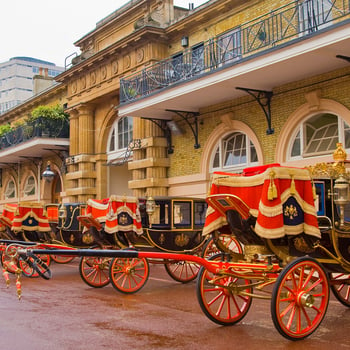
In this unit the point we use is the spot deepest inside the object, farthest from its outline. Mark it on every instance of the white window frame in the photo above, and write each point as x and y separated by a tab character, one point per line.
118	153
301	128
9	191
236	167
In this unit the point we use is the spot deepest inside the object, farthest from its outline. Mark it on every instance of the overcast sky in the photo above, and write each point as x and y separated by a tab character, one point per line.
47	29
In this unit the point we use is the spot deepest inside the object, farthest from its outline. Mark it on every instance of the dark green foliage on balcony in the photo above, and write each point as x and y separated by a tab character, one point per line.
45	122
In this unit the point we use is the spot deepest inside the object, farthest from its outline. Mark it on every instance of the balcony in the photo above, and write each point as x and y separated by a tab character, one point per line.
287	44
34	140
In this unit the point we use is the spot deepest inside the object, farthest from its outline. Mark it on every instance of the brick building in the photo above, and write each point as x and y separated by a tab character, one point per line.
162	96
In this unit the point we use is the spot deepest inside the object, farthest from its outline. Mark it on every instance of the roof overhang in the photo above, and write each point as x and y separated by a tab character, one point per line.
32	149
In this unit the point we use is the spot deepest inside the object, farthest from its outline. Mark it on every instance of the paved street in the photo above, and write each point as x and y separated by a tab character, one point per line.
64	313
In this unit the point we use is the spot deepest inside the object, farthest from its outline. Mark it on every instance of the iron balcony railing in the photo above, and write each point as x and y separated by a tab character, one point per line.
283	25
41	127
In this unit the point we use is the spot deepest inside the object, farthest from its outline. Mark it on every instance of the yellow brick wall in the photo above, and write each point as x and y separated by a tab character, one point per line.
286	99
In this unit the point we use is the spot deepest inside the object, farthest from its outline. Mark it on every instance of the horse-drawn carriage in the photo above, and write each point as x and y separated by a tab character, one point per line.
118	222
294	227
165	224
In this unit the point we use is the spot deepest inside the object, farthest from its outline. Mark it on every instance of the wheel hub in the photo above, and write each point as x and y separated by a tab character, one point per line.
305	299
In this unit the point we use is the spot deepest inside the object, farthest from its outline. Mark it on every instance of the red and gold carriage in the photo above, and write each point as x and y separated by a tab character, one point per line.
294	228
172	225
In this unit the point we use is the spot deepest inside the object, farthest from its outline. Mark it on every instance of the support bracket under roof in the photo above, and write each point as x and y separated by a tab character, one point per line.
264	99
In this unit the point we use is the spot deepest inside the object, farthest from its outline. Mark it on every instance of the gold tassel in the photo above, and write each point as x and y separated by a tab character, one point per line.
292	186
272	191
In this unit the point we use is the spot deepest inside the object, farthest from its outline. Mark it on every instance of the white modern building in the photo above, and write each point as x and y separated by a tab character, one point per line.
16	79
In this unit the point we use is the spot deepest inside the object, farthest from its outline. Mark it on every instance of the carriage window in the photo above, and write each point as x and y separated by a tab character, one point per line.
182	213
199	213
319	135
161	214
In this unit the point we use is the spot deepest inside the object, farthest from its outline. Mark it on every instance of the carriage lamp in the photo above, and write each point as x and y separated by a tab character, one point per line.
48	174
341	195
62	212
150	208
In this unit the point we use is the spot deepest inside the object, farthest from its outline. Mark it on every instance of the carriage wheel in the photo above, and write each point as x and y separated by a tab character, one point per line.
221	297
340	285
300	298
94	271
182	271
62	259
227	240
128	275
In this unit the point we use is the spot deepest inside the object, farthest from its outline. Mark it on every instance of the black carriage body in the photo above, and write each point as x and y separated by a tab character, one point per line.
328	215
70	230
175	225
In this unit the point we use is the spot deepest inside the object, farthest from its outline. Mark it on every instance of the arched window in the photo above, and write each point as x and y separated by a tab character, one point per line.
120	137
29	187
10	191
318	135
234	152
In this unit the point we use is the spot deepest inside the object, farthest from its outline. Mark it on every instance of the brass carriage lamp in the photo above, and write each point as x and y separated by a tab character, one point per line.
150	208
341	195
62	212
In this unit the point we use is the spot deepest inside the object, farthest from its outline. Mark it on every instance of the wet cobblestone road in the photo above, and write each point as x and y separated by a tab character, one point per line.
65	314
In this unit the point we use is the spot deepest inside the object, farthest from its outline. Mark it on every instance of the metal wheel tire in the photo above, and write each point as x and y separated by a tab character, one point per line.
219	302
182	271
227	240
300	298
94	271
340	286
128	275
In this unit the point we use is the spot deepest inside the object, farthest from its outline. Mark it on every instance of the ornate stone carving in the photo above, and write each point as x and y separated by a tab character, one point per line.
103	72
127	61
139	55
93	78
115	67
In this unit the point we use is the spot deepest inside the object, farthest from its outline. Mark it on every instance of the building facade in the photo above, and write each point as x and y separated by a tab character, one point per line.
16	79
162	96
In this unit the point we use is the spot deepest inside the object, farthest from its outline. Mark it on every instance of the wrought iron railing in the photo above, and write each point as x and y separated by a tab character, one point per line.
41	127
283	25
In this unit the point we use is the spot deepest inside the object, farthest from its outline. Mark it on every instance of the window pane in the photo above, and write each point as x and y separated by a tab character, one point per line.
321	134
216	162
253	154
235	150
346	135
296	150
112	142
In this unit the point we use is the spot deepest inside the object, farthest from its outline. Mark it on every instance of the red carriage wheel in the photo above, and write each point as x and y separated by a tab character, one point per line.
62	259
94	271
300	298
220	302
128	275
227	240
340	285
182	271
